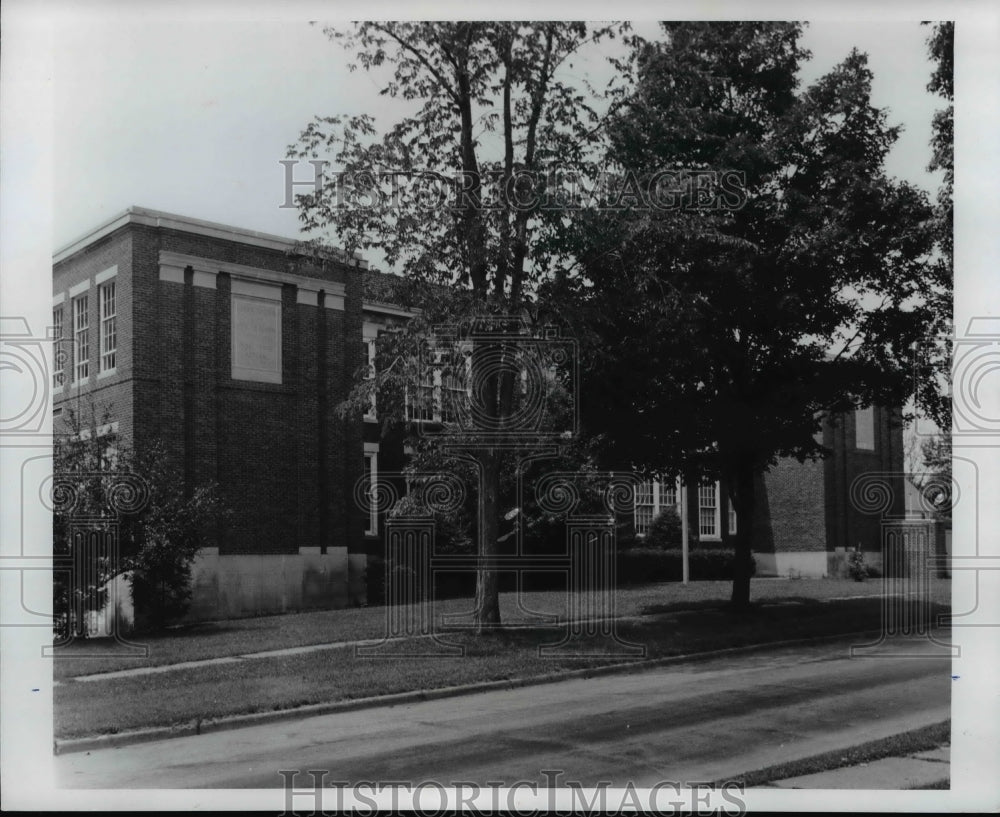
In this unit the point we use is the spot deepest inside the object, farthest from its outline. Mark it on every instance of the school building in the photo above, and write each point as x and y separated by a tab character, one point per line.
234	348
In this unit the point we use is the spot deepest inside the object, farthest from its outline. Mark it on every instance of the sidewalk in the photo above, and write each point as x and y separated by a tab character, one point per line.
335	645
930	767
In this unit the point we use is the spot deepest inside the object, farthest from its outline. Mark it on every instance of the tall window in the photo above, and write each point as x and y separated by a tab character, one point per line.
109	330
454	396
420	398
644	507
651	498
371	468
81	345
708	511
369	376
732	520
864	428
57	333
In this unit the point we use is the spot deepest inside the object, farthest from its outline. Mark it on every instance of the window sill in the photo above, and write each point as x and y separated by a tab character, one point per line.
107	373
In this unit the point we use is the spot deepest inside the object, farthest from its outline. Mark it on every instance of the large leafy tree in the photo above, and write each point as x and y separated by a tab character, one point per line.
449	193
934	400
723	329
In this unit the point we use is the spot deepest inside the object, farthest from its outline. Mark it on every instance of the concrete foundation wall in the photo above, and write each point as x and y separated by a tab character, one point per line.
802	564
232	586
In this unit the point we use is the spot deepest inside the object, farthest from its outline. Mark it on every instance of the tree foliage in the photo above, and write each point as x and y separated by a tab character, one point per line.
451	193
159	527
727	334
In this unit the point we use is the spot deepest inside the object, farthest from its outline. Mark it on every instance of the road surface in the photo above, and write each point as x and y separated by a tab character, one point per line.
709	720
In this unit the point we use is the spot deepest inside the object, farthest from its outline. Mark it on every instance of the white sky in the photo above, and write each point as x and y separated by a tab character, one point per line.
192	117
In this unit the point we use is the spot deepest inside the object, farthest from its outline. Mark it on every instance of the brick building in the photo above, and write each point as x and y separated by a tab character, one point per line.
808	515
234	349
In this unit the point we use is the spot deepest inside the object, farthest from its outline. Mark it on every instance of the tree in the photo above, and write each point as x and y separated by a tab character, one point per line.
725	327
935	370
159	527
451	193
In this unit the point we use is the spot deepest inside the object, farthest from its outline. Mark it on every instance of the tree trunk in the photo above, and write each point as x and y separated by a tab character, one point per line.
744	503
487	605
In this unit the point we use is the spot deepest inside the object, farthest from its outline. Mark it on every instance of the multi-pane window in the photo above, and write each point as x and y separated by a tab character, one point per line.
708	510
371	469
644	507
864	428
652	498
454	395
81	344
420	399
370	376
57	333
109	329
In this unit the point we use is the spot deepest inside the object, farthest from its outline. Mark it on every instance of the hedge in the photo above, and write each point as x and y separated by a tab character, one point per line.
643	565
638	565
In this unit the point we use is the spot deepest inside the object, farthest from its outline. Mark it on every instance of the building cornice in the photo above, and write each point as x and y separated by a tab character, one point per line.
172	221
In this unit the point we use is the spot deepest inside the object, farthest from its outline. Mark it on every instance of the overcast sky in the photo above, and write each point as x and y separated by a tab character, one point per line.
193	116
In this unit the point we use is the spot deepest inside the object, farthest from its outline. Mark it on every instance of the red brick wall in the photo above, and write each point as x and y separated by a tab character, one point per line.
110	395
285	462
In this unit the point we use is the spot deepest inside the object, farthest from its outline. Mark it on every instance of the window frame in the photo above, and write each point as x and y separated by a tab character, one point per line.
108	328
657	502
371	470
81	338
57	337
371	411
716	535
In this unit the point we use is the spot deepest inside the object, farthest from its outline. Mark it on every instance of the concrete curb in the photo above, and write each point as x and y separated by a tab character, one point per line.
202	727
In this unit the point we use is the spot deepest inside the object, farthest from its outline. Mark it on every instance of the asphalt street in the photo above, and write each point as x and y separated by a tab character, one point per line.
708	720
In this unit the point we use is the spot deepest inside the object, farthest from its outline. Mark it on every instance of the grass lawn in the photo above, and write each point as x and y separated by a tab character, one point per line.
186	695
250	635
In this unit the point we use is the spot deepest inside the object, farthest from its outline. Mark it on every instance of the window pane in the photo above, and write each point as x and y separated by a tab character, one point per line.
370	375
109	333
57	333
708	509
371	471
668	494
643	507
81	344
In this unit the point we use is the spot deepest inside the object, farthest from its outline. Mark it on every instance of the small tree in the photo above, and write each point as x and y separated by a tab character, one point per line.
159	531
493	104
665	530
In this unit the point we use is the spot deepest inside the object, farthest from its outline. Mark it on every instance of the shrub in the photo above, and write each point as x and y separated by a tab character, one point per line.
665	530
159	527
645	565
857	568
